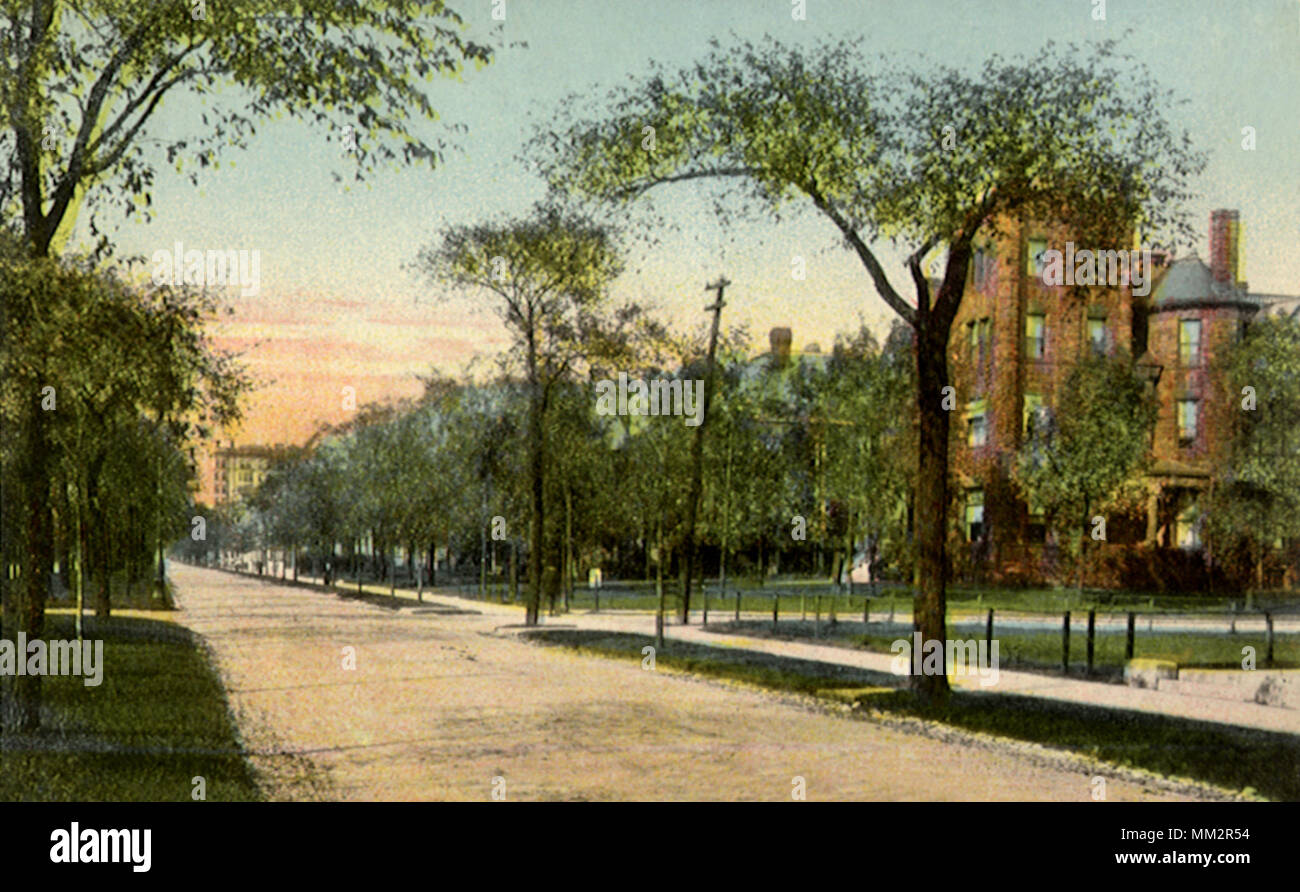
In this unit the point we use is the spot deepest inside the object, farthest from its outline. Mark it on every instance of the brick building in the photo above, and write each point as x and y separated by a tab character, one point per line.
1013	345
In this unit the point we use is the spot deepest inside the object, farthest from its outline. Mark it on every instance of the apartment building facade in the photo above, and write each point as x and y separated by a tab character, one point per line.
1013	346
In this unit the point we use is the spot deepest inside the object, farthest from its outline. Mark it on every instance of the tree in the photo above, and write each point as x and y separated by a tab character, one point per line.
546	278
869	450
925	159
356	66
1257	502
79	88
1087	456
100	385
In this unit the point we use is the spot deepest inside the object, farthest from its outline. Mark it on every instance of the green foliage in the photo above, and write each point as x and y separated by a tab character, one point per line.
83	84
924	156
1087	455
1258	501
124	378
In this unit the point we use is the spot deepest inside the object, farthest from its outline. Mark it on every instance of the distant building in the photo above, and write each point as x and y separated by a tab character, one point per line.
240	470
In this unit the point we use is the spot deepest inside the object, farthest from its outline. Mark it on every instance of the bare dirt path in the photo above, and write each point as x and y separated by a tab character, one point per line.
437	706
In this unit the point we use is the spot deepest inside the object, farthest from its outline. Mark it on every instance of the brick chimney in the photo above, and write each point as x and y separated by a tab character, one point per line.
1225	231
780	339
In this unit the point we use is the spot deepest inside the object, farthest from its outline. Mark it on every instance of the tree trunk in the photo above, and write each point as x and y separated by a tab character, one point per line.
659	583
104	593
537	482
568	545
726	521
38	559
514	571
1083	543
931	502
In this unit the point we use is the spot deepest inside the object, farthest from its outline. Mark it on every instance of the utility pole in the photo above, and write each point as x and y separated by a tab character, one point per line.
697	451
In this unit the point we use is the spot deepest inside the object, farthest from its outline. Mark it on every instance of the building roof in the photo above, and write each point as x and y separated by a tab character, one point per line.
1189	282
1188	279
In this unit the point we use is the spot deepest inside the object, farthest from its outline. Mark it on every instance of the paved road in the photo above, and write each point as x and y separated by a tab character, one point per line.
438	705
1183	705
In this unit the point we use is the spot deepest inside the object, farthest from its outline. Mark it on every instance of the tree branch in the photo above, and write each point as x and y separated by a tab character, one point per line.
883	287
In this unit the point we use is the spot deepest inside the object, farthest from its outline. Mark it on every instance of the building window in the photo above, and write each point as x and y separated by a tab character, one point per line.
980	330
1035	335
1187	528
1187	418
1036	262
974	515
977	418
983	267
1033	406
1037	527
1189	341
1097	336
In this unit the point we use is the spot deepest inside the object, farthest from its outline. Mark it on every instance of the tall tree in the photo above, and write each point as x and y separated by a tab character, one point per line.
80	85
546	277
927	159
1087	455
1257	504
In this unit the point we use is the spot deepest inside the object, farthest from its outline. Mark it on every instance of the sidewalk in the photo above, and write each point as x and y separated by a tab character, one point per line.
1113	696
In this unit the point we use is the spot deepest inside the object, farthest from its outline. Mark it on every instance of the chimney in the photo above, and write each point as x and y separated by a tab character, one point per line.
1225	236
780	339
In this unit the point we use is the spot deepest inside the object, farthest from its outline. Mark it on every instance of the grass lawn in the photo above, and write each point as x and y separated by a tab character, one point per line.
158	719
1041	650
1238	759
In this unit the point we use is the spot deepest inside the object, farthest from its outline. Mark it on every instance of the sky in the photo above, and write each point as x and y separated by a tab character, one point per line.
337	306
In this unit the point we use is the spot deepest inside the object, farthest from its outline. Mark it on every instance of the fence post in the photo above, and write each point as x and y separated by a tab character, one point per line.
1065	644
1232	622
705	592
817	628
866	610
1128	637
776	609
988	631
1268	624
1092	628
803	607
